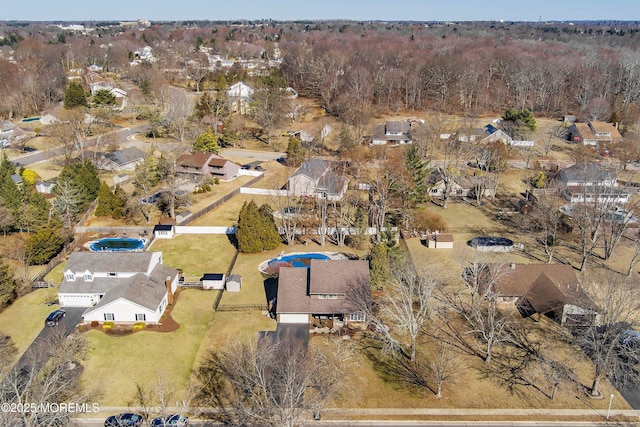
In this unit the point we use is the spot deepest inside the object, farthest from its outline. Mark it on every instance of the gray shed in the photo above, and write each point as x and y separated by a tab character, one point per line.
234	282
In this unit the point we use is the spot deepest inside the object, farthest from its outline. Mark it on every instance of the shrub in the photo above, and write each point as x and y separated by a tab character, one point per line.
138	326
94	323
107	325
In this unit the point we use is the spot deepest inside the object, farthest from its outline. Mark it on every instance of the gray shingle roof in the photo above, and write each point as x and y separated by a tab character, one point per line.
108	262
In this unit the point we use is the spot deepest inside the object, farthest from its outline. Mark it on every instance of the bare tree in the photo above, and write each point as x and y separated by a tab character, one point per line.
57	381
443	364
478	307
178	112
547	218
454	156
267	383
603	340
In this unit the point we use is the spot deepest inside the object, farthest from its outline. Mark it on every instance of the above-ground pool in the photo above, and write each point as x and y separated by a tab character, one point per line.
117	244
30	119
292	260
491	244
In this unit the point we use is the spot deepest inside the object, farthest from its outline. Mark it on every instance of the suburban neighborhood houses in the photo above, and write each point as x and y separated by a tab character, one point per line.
262	222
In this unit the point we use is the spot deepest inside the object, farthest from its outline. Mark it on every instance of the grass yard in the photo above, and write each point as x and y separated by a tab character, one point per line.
196	254
24	319
115	365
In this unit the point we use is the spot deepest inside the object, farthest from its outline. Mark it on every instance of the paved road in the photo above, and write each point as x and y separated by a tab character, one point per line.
122	136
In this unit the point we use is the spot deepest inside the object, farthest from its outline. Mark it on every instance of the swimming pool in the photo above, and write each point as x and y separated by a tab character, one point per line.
117	244
300	260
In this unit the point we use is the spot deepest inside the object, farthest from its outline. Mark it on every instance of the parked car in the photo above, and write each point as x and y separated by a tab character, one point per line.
175	420
54	317
123	420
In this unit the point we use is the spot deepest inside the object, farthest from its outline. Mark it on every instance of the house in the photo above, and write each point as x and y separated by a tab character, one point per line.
239	95
462	186
594	133
234	283
200	164
318	178
45	187
16	178
319	293
303	136
120	160
213	281
588	174
552	290
588	182
392	133
118	287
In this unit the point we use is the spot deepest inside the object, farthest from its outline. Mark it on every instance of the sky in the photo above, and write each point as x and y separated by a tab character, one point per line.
385	10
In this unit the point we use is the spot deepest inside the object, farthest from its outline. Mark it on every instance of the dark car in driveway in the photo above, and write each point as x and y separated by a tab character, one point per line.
175	420
54	317
123	420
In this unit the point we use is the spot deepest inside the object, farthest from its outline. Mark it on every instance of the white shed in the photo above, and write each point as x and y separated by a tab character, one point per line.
213	281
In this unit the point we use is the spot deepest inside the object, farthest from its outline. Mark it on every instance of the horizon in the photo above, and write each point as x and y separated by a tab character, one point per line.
328	10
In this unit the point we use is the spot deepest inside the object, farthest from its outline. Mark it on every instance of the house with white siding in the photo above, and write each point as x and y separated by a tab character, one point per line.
119	287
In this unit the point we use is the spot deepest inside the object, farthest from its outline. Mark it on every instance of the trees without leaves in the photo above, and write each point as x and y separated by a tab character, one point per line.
267	383
604	341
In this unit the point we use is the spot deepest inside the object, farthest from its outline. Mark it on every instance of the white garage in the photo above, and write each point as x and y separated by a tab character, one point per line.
293	318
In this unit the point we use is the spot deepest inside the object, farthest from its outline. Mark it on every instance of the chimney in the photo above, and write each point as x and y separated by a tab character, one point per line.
169	293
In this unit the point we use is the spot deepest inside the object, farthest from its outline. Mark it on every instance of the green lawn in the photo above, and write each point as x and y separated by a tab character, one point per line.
196	254
115	365
24	319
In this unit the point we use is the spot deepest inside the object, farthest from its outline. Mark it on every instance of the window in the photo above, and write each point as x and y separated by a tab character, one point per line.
356	317
434	190
70	276
109	317
112	274
140	317
327	296
88	277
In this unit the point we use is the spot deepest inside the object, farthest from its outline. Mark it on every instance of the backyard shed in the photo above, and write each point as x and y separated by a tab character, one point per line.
234	282
439	241
213	281
164	231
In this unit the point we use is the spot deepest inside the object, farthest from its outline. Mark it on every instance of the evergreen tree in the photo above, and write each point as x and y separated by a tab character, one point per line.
7	284
75	96
44	244
295	152
119	203
105	200
379	264
269	236
82	177
256	231
207	142
104	97
518	123
419	171
247	232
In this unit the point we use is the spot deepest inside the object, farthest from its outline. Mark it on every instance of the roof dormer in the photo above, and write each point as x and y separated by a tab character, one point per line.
69	276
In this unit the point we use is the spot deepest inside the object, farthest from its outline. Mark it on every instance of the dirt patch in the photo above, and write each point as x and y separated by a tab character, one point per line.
168	324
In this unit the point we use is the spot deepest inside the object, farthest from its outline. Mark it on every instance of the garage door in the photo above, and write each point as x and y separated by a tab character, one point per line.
294	318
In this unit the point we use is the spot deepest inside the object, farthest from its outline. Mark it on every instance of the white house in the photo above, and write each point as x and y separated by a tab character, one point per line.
392	133
239	95
318	178
120	287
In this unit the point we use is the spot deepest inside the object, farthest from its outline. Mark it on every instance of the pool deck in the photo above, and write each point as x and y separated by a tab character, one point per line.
263	267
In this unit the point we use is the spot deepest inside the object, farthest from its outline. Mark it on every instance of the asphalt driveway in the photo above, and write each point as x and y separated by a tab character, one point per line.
34	355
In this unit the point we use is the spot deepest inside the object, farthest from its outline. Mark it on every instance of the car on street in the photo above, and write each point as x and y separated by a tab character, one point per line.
54	317
123	420
175	420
